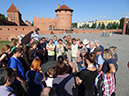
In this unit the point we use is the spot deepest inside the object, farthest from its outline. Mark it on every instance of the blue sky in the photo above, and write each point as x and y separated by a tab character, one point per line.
83	9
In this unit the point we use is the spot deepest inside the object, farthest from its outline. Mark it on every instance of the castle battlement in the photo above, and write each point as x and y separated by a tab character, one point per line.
43	19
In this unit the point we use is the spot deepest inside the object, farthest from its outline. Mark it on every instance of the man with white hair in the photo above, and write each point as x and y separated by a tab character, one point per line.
92	46
97	44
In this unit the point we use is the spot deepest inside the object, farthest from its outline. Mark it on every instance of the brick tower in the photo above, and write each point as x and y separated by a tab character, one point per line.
64	17
14	15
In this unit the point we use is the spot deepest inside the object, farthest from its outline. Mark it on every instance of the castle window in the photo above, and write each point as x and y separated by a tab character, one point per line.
8	28
15	28
50	27
59	11
65	11
0	28
22	28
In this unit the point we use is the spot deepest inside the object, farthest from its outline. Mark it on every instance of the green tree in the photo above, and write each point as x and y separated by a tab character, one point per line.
32	24
87	25
109	26
93	25
99	25
74	25
103	26
121	22
84	26
115	25
2	17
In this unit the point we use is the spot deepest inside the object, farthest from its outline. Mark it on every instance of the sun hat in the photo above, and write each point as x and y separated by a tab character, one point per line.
85	41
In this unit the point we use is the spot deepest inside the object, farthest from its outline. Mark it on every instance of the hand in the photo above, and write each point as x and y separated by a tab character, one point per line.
78	80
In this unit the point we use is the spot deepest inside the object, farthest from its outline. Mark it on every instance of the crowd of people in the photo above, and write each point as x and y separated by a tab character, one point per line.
83	68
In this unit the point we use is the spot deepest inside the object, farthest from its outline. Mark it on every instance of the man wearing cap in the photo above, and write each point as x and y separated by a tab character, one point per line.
99	58
36	34
98	45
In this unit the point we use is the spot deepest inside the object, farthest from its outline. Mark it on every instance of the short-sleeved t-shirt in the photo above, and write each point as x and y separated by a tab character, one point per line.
116	57
74	49
15	63
99	61
6	90
63	85
106	68
34	79
88	80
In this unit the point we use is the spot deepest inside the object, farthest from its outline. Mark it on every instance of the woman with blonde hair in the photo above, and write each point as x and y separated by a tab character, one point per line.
34	77
4	58
107	72
15	44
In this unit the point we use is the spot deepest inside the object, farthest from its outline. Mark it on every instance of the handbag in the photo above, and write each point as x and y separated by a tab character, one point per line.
100	85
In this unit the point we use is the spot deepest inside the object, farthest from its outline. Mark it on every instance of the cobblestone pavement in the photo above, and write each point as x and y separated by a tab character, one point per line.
122	44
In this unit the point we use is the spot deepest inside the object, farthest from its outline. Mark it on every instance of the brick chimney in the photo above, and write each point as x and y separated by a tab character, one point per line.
58	5
16	8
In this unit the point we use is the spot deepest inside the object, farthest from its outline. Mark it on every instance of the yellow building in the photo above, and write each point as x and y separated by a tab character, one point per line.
97	22
106	22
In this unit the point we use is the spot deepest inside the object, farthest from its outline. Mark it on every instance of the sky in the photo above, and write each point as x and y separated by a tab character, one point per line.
84	10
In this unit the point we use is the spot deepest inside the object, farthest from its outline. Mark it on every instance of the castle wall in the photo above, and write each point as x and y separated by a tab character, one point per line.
44	23
9	32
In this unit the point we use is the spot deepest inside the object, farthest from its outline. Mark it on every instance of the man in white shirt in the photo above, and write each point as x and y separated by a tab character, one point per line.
75	53
36	34
51	50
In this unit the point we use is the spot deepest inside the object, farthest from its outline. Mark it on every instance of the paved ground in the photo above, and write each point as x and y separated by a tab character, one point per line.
122	44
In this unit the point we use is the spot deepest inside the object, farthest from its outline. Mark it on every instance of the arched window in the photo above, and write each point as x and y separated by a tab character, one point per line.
50	27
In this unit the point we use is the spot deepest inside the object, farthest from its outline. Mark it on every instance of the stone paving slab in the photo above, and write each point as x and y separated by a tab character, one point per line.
122	44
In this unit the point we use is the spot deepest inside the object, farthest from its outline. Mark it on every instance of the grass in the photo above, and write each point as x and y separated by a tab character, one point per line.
2	43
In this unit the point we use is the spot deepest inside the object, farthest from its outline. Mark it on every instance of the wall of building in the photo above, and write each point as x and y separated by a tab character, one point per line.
64	20
9	32
44	23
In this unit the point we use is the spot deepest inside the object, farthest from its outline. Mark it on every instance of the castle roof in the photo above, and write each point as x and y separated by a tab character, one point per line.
64	7
4	22
12	8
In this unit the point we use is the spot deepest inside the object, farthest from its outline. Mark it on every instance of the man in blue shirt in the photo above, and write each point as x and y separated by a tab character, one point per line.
99	58
16	65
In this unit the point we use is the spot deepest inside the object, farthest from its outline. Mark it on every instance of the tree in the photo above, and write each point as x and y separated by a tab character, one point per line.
109	26
87	25
115	25
99	25
121	22
93	25
103	26
84	26
32	24
74	25
2	17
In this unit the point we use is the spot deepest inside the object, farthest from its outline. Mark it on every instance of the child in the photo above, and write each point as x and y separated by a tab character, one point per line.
113	50
49	80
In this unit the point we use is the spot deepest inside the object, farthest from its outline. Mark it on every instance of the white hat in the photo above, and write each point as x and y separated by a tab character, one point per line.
85	41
